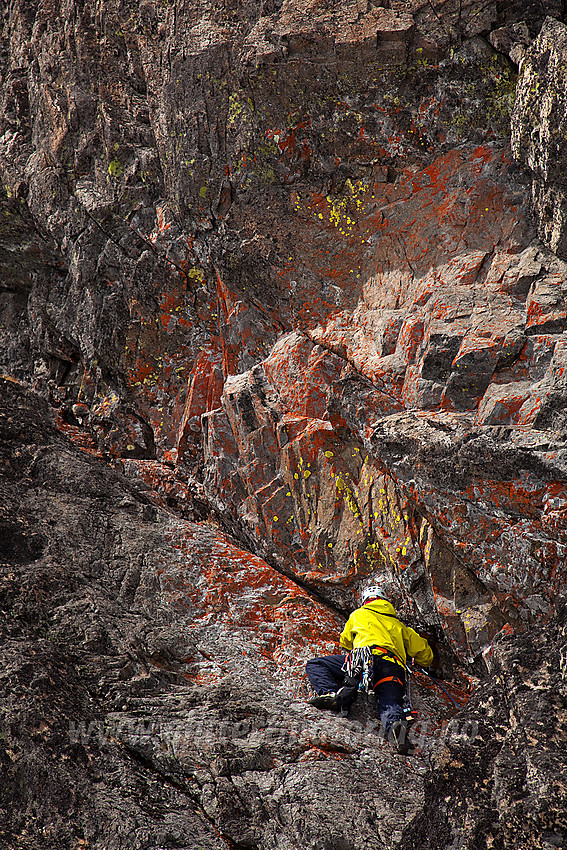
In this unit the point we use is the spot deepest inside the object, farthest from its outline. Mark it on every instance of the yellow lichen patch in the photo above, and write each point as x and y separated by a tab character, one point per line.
374	554
237	107
345	493
344	212
196	275
115	169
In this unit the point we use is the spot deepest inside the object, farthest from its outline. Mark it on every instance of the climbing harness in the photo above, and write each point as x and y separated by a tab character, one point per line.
359	664
388	679
389	653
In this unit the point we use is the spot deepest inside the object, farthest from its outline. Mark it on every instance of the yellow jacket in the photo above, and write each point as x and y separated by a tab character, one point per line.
368	626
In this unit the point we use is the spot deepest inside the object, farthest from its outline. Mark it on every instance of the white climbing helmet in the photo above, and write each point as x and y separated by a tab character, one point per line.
375	591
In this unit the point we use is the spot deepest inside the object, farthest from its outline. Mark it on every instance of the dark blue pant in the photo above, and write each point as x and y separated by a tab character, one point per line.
325	675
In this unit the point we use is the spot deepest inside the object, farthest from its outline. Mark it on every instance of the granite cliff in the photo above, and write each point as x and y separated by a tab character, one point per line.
283	309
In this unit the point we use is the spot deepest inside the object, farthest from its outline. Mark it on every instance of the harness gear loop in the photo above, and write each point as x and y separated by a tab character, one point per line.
359	664
388	679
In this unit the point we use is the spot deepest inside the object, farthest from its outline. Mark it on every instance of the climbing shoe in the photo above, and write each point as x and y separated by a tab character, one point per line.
398	737
328	701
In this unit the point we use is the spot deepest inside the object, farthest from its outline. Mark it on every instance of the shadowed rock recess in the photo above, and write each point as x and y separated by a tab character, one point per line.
283	312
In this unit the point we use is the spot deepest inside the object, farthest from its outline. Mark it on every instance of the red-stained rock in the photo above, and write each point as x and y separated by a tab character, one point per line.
203	395
502	402
81	411
277	265
303	374
79	436
419	393
546	309
119	431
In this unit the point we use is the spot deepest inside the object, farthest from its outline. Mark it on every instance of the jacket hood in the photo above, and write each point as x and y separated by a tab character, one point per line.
381	606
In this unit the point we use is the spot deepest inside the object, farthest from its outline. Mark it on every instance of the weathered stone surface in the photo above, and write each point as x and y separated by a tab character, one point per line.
281	266
493	787
538	130
512	40
150	674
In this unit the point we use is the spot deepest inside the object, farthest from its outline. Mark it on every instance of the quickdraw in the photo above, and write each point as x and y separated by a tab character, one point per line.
359	664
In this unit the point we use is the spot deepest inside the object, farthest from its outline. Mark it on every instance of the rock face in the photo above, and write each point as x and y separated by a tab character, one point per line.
492	786
538	130
150	676
282	312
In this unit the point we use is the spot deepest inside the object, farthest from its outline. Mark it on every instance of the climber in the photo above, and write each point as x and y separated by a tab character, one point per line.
378	644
